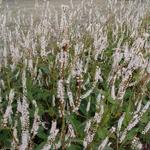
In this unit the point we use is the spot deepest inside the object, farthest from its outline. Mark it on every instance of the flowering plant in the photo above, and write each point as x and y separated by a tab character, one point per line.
76	80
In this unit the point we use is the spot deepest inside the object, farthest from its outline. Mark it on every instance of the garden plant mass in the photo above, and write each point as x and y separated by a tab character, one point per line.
76	77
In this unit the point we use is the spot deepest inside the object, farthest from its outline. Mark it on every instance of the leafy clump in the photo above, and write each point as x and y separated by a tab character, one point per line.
76	80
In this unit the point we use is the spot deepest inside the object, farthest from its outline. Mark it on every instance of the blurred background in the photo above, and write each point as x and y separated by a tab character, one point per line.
29	4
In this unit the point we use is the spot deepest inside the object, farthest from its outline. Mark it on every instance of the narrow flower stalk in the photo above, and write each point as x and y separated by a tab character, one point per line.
70	95
148	67
88	93
5	55
30	65
77	72
123	86
71	132
139	105
103	144
136	144
36	121
2	84
147	128
97	78
64	60
106	140
70	135
60	96
92	124
8	112
134	121
15	141
120	121
113	92
51	138
24	113
100	44
64	23
88	105
0	95
99	114
43	46
71	101
89	134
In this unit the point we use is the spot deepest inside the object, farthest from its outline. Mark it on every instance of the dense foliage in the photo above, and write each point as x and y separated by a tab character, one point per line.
75	79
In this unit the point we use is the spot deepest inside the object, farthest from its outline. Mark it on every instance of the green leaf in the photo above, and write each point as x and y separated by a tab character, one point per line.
75	147
108	148
39	147
42	135
131	134
102	132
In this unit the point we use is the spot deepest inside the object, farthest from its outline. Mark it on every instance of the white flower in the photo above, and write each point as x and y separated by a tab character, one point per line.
25	137
30	64
88	125
148	67
11	95
71	131
2	84
8	112
146	35
19	106
88	139
138	107
136	144
98	115
117	56
60	91
53	133
25	115
145	108
98	75
88	105
120	121
87	93
133	123
103	144
36	122
147	128
63	59
0	95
